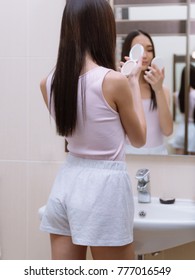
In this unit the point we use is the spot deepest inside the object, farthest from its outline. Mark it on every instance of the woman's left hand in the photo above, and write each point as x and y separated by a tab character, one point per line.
155	78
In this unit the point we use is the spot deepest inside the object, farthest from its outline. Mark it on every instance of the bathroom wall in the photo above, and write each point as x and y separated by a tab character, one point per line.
30	150
170	176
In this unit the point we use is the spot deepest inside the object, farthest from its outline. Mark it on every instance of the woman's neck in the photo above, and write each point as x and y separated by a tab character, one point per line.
89	64
144	87
141	79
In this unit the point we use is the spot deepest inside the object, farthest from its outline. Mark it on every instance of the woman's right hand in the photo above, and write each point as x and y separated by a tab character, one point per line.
122	63
136	71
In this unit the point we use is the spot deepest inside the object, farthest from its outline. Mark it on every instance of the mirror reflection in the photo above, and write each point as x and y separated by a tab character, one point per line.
168	41
155	96
178	139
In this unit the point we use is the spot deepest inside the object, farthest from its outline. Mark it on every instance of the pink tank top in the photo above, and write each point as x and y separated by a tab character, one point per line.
154	136
99	133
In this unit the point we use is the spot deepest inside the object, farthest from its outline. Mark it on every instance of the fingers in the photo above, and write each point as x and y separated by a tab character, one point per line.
150	75
121	63
154	76
126	58
155	69
154	72
132	68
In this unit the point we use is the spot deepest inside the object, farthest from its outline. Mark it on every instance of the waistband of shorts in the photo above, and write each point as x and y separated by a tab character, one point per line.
92	163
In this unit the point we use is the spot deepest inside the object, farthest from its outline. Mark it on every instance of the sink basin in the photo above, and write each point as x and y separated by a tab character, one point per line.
159	226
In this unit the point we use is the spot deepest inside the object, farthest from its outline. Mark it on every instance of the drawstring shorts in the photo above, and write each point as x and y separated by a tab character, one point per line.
91	201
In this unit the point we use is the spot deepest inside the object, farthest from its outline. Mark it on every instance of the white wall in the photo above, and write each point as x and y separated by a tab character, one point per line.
172	176
30	150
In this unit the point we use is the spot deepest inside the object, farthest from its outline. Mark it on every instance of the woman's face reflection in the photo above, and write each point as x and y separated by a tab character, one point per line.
148	50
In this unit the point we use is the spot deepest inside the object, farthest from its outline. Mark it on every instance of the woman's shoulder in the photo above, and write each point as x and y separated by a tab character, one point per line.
44	90
113	74
116	79
115	85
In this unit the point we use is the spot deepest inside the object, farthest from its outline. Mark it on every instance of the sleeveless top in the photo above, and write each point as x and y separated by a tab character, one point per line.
99	133
154	138
154	135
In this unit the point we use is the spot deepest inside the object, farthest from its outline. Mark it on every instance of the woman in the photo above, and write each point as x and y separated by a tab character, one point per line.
91	203
155	97
177	141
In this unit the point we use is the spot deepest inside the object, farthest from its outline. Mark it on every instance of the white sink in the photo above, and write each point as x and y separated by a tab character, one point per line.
164	226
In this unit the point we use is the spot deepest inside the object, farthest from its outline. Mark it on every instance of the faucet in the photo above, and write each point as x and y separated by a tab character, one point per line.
143	185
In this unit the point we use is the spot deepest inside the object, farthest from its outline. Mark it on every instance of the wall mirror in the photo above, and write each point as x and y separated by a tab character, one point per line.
171	25
179	63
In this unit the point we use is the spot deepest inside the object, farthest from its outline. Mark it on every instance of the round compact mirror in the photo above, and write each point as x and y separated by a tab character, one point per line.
158	62
127	67
136	52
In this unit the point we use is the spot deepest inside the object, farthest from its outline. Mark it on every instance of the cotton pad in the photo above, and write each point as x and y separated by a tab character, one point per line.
127	67
136	52
158	61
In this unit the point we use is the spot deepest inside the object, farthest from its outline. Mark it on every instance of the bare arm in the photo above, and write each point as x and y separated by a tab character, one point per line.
155	77
124	96
44	91
165	116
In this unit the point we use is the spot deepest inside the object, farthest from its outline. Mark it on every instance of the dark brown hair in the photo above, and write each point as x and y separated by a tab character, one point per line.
87	26
182	88
127	45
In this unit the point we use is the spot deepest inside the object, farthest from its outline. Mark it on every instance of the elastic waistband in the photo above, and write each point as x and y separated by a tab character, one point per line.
100	164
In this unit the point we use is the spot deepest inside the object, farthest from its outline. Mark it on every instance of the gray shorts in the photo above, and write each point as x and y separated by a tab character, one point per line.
91	201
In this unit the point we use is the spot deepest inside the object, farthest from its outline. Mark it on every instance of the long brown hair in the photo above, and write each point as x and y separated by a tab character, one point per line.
182	88
87	26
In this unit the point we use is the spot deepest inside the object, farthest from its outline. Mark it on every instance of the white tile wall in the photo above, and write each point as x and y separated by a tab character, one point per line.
40	178
13	206
14	108
44	19
170	176
30	150
13	28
